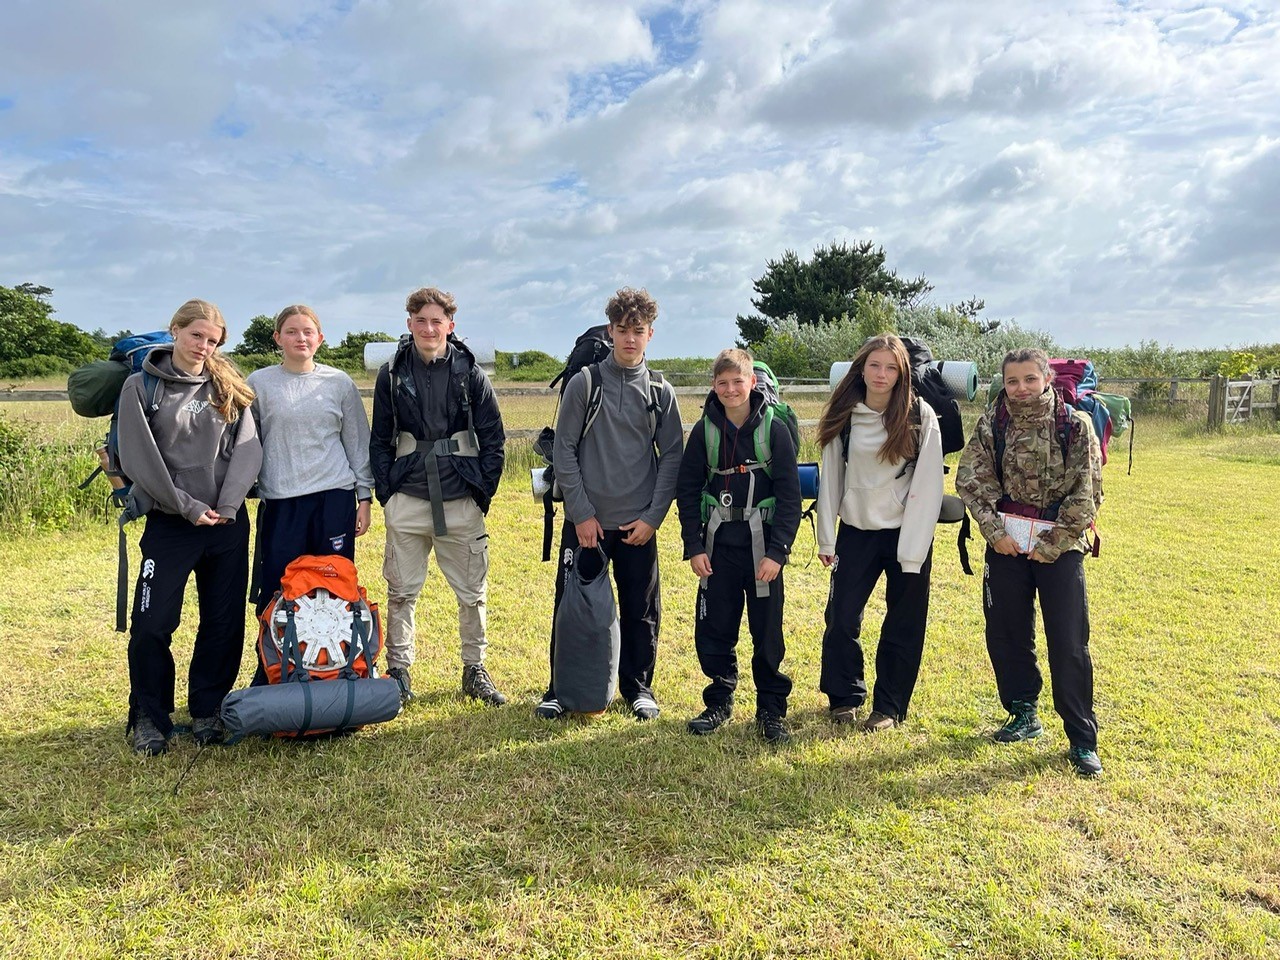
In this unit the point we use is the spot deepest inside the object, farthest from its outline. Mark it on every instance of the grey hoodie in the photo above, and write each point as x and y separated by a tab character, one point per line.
185	456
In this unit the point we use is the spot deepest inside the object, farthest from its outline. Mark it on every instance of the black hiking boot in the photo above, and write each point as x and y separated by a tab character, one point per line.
147	738
477	685
710	720
1085	761
1023	724
401	676
207	730
773	729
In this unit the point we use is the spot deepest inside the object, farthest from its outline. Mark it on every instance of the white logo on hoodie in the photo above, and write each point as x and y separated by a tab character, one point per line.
196	406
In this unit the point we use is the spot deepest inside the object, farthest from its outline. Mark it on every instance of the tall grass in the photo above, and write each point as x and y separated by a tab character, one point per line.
43	465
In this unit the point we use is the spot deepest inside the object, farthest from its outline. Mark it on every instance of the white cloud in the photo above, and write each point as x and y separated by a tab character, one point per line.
1094	168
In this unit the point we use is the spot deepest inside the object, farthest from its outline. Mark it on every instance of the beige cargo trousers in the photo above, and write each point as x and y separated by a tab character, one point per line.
463	557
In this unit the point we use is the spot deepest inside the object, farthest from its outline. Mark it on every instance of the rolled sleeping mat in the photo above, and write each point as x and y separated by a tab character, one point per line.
808	481
960	377
314	706
538	482
838	370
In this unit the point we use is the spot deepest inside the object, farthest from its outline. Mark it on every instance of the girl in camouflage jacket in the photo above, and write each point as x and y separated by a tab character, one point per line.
1033	457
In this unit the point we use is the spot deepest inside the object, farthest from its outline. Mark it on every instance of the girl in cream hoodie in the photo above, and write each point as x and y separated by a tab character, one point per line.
877	506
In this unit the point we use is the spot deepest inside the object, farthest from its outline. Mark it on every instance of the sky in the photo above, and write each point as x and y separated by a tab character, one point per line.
1107	172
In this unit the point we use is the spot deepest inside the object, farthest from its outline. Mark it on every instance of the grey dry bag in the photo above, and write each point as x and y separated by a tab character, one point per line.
584	670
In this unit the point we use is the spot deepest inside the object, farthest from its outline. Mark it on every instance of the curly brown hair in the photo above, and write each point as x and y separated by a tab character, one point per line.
425	295
630	306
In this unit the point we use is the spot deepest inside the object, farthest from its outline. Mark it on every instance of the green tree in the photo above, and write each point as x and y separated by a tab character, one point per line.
28	330
824	287
258	337
352	345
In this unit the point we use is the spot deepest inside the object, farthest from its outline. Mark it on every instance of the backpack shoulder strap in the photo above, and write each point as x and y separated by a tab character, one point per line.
711	435
763	436
999	429
151	391
655	404
595	397
846	432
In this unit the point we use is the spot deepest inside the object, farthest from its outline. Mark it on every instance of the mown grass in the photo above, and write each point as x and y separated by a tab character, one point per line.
456	831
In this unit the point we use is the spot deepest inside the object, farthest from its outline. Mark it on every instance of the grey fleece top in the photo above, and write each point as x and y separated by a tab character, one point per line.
185	456
613	474
315	433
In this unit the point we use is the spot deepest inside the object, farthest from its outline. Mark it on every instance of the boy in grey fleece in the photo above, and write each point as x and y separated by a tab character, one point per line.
618	480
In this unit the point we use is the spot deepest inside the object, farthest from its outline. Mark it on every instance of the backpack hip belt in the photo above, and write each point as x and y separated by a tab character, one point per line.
461	444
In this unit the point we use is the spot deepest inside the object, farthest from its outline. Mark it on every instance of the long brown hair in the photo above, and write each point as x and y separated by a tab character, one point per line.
231	393
901	441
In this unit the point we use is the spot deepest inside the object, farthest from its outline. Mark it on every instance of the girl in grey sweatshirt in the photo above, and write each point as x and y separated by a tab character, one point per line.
191	448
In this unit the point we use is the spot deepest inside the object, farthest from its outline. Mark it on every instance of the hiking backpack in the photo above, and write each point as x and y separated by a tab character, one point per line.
714	512
94	391
318	642
591	348
1076	383
927	381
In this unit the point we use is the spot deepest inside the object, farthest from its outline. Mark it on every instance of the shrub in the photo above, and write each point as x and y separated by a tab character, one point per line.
40	365
1239	365
808	350
527	366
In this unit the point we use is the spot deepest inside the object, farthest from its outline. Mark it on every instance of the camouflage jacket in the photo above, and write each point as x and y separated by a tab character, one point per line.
1034	473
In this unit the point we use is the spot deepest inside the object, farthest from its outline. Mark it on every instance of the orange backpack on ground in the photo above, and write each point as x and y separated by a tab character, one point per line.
319	641
320	621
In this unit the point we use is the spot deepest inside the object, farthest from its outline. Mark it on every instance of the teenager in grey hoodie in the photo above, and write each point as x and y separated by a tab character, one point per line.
193	453
618	480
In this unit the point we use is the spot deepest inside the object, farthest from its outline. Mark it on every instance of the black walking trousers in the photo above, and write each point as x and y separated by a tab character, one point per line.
172	548
635	575
861	556
718	621
1009	588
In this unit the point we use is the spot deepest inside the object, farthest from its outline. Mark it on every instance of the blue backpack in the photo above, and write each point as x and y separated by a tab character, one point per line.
94	391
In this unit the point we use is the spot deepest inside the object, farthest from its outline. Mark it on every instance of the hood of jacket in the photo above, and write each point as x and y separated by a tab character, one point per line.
159	363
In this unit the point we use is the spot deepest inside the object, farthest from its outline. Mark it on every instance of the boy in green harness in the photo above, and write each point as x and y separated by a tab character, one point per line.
738	496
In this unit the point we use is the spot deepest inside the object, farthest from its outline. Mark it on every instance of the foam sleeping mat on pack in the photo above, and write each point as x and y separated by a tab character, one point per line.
281	708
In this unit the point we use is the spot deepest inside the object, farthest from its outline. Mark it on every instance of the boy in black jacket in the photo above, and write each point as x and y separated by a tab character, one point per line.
436	448
738	496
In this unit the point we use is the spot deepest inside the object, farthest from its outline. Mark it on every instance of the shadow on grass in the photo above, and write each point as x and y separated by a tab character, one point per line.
456	800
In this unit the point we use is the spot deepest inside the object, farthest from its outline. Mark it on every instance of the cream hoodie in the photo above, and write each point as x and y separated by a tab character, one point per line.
871	495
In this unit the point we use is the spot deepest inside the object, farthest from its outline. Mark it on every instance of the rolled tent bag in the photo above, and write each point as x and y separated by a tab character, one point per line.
584	670
305	707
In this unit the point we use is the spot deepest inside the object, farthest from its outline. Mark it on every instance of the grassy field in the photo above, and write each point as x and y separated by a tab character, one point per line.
458	831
